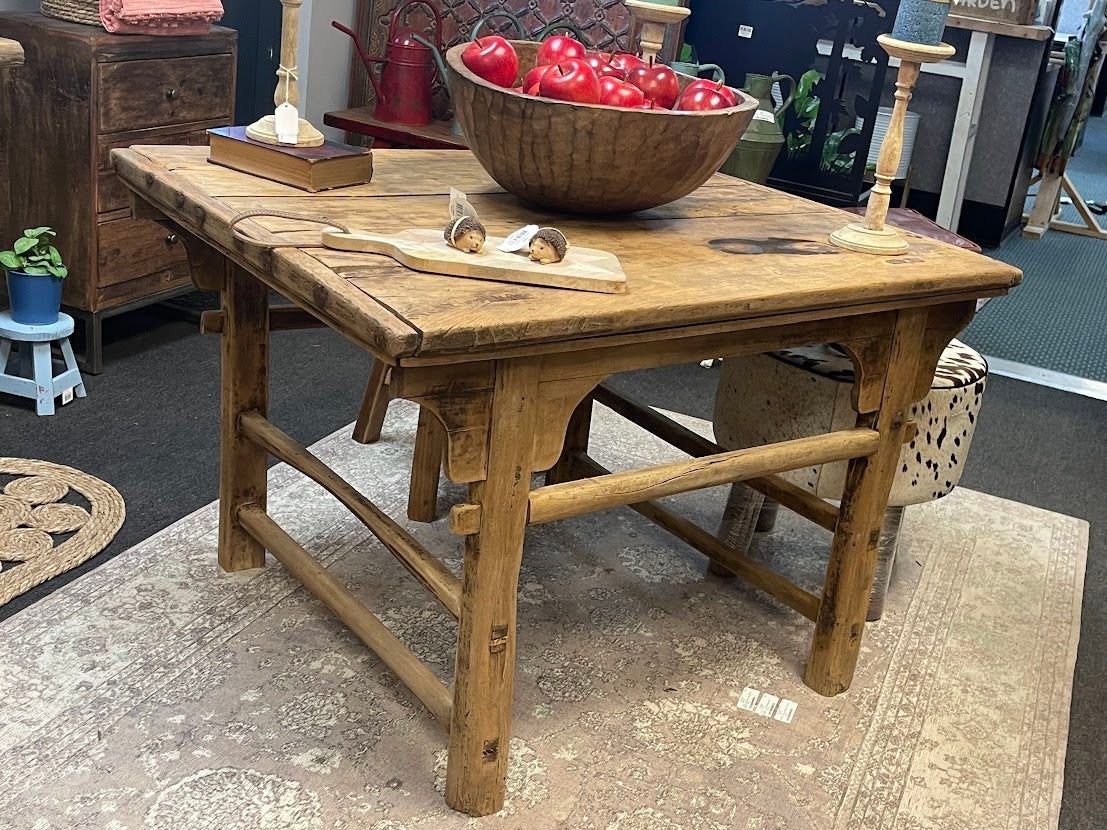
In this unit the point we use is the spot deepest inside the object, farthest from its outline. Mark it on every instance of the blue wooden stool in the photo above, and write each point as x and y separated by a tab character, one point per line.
37	379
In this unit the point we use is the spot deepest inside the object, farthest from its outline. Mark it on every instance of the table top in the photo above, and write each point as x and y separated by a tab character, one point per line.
438	135
731	251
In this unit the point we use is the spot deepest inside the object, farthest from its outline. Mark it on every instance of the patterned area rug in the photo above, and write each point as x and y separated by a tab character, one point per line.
52	518
157	693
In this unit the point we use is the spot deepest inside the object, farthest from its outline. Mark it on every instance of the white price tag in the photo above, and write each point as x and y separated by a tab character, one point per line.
764	115
287	123
748	700
786	711
67	396
519	240
767	705
745	31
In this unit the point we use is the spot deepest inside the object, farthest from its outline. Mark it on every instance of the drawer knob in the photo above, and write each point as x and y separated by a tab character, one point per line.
172	94
172	239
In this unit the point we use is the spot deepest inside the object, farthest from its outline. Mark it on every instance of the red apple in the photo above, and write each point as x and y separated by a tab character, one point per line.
625	61
533	90
534	76
571	80
647	105
493	59
703	98
657	81
714	86
601	65
559	48
616	93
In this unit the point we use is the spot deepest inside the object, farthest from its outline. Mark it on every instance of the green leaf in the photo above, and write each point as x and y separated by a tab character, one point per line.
55	256
38	258
10	261
58	270
24	244
686	52
36	270
35	233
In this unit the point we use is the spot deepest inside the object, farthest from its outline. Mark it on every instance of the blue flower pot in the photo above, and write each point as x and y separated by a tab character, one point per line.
36	300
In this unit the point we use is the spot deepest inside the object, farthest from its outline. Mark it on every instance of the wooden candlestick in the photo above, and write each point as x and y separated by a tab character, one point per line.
872	236
655	19
265	128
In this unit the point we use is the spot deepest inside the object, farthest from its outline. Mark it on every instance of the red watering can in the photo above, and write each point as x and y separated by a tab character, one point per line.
404	89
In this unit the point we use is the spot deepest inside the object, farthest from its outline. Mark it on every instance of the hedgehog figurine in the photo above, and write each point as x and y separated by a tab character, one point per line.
548	246
466	234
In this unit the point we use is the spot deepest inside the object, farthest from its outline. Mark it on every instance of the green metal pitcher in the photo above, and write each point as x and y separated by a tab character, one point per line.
760	144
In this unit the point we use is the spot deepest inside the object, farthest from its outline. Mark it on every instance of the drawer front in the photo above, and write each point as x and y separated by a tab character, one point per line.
134	95
111	193
132	248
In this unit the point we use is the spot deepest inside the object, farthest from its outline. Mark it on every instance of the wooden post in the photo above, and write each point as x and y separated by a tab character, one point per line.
426	468
374	406
245	388
849	575
484	673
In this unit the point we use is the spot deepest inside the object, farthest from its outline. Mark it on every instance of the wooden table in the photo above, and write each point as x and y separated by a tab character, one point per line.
438	135
505	376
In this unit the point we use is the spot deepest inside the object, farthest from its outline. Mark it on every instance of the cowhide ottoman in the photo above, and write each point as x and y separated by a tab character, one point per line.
798	392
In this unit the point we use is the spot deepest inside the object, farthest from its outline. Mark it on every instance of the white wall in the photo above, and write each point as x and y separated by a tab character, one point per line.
324	55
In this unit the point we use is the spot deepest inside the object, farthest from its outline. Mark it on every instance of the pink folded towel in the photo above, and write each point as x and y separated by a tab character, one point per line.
160	17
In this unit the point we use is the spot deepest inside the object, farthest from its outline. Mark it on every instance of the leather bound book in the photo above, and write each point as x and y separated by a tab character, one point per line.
327	166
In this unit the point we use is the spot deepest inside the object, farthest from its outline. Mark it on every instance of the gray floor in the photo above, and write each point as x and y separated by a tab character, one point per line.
1057	318
149	427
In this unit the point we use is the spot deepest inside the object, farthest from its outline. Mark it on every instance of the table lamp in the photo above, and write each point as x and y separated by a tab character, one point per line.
285	125
916	39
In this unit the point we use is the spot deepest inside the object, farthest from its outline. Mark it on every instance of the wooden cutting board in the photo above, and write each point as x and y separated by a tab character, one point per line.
583	269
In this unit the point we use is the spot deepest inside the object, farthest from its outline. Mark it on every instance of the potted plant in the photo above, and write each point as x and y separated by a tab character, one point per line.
35	274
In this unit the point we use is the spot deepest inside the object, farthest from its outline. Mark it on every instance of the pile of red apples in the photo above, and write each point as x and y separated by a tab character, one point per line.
566	71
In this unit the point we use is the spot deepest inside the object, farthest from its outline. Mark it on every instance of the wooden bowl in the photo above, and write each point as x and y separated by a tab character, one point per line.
589	158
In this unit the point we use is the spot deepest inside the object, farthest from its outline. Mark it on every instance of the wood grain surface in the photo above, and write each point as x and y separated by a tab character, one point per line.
422	249
732	253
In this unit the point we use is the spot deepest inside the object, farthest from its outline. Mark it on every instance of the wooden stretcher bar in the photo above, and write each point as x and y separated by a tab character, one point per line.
796	499
370	630
572	498
424	566
751	570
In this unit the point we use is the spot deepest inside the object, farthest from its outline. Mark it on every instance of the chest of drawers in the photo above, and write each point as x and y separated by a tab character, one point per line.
80	94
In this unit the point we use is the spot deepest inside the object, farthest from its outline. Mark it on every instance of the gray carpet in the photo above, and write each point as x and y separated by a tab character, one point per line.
1055	319
149	427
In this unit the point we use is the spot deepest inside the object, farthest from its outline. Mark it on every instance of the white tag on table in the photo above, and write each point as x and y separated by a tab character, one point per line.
767	705
519	240
786	711
67	396
748	700
286	121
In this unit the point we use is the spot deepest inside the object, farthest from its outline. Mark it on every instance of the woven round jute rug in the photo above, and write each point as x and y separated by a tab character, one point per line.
52	518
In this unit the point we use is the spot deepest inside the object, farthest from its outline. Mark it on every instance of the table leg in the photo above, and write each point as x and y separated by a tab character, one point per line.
426	468
374	406
245	388
484	675
849	574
